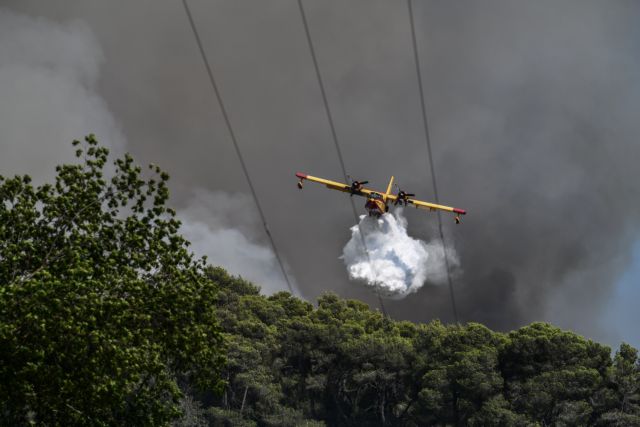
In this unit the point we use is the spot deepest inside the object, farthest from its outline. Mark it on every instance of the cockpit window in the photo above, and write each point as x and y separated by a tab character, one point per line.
375	196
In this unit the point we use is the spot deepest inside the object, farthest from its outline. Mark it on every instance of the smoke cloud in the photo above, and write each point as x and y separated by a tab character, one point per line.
392	262
48	93
220	226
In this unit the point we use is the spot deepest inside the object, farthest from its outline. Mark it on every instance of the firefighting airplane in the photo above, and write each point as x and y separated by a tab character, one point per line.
378	202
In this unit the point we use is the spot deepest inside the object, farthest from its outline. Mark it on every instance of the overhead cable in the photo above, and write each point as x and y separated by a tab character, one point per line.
431	165
235	144
336	142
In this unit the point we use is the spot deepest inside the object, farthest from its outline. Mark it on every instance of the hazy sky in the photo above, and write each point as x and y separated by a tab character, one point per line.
532	109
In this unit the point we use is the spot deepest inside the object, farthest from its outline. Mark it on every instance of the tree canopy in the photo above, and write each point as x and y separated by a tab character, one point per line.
102	308
344	364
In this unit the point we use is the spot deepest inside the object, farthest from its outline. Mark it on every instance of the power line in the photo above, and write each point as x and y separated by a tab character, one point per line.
235	143
336	142
429	152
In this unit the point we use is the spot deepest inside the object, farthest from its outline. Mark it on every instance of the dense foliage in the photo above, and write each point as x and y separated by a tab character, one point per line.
105	319
343	364
102	309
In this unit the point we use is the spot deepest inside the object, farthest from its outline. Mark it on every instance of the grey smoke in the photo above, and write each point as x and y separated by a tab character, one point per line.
220	226
48	93
48	96
532	109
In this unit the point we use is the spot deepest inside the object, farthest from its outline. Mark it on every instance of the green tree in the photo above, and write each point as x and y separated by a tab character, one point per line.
257	382
553	375
102	308
351	365
625	389
460	380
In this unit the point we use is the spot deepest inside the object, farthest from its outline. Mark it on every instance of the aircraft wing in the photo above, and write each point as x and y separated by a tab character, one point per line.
419	204
334	185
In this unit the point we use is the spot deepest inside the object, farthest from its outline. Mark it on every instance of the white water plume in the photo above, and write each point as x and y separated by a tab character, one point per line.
396	263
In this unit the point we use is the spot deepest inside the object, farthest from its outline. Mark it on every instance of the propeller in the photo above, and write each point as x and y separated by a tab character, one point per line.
403	197
356	185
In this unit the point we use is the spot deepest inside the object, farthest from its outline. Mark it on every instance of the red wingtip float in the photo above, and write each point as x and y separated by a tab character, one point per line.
377	201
